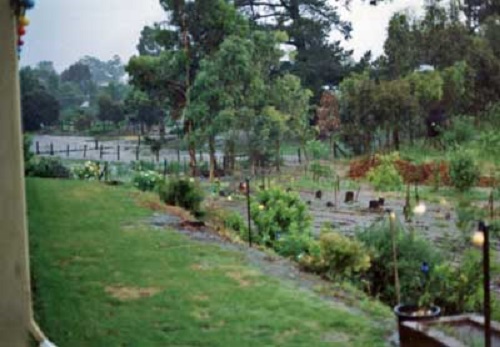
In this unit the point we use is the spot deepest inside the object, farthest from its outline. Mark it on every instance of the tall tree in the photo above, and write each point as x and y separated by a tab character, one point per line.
193	31
308	24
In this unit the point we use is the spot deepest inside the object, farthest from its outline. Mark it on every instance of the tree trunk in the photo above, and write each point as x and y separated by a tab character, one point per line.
211	153
395	137
191	147
278	159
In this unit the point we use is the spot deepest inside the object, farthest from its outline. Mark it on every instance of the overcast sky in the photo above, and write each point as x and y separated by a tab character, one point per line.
63	31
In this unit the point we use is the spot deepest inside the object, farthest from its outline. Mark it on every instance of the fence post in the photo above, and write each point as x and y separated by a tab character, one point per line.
101	149
37	148
299	155
51	148
85	151
164	168
96	145
67	150
137	153
118	152
178	155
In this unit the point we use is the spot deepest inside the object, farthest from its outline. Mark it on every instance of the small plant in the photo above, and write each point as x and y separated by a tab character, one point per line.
182	192
411	253
464	172
295	244
317	150
277	213
234	221
460	132
90	170
337	256
320	171
49	168
147	180
385	176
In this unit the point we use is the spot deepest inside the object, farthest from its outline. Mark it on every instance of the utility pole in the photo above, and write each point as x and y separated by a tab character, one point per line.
15	294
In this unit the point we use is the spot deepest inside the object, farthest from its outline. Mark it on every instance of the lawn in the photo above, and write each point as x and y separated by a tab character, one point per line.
102	276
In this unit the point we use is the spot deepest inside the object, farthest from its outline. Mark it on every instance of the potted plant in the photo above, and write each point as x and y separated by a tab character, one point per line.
421	311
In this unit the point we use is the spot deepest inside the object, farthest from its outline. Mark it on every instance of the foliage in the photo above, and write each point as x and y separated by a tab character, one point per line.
39	107
412	251
460	132
110	110
183	193
277	213
337	256
49	168
147	180
320	171
385	176
295	244
464	171
235	221
88	171
457	288
316	150
27	153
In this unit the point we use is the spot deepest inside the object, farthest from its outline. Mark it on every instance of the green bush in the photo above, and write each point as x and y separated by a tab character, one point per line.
90	170
412	251
234	221
464	172
182	192
147	180
385	176
49	168
460	132
337	256
457	288
316	150
277	213
295	244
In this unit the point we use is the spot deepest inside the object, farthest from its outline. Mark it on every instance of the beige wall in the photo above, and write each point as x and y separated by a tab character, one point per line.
15	301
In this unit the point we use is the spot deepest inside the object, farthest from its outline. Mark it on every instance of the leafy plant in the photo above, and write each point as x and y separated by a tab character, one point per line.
143	165
49	168
460	132
88	171
147	180
295	244
337	256
464	171
317	150
412	251
385	176
182	192
277	213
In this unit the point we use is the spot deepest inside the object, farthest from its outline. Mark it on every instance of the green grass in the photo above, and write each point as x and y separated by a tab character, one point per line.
89	242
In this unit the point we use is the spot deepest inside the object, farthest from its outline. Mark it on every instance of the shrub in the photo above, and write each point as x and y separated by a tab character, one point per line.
411	253
317	150
457	289
235	221
385	176
337	256
295	244
277	213
147	180
464	172
460	132
49	168
182	192
90	170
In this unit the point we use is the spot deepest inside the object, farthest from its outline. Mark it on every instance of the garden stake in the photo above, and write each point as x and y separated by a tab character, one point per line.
101	153
37	148
137	153
118	152
248	213
67	150
51	148
392	218
406	208
84	151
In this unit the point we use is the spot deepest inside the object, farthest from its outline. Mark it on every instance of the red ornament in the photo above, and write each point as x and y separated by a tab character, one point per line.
21	31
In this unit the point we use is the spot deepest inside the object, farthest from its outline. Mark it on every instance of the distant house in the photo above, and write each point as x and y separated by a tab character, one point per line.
85	105
425	68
